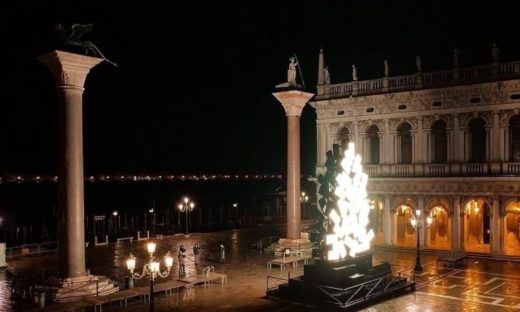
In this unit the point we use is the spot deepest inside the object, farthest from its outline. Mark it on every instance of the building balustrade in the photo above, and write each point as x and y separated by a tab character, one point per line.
448	169
445	78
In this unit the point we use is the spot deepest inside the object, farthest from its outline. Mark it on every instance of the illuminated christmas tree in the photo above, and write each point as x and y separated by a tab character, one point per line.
350	218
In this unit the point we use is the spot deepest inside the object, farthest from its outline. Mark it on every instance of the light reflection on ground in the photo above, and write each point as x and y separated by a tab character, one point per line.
484	285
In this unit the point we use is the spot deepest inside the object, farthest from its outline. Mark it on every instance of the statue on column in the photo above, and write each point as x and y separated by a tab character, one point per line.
291	72
327	75
354	73
455	58
73	40
418	63
495	53
386	68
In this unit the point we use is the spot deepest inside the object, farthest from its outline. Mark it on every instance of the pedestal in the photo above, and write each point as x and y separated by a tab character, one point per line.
293	100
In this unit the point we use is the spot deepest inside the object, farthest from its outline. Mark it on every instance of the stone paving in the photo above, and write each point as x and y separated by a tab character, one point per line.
484	285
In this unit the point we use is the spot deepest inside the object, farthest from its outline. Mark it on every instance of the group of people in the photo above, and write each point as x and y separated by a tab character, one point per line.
196	251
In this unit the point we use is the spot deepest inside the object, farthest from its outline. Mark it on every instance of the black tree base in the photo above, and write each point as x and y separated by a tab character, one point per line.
346	284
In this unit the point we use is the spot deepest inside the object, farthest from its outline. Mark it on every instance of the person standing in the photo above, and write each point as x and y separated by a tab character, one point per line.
182	256
222	253
196	248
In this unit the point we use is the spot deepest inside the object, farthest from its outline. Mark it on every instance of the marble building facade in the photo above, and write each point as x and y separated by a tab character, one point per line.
445	142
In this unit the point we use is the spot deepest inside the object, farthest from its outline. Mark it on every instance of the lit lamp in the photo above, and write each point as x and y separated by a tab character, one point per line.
114	214
151	270
417	222
186	205
304	198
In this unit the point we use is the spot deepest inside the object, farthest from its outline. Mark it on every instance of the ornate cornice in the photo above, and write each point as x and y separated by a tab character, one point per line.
457	99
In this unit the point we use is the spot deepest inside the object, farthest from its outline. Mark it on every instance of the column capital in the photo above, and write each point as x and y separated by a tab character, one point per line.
69	69
293	101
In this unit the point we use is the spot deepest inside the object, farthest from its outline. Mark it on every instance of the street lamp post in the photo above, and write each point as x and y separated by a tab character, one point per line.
186	205
304	198
235	205
151	269
115	220
417	222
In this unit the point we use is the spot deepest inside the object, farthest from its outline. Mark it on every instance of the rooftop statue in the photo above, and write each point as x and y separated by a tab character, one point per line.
495	53
418	63
354	73
455	58
73	40
386	68
327	75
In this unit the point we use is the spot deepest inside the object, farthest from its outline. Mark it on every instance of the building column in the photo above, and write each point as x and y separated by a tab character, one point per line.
420	147
328	140
357	137
385	148
495	138
387	222
422	229
321	146
457	227
496	231
293	102
70	71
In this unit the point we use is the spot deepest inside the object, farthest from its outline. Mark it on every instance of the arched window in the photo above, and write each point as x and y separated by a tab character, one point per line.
439	142
373	145
478	140
514	128
405	142
343	139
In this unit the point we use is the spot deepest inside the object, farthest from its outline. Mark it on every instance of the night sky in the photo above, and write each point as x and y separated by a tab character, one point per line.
192	92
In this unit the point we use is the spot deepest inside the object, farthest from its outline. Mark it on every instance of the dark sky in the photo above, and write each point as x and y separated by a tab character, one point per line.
193	89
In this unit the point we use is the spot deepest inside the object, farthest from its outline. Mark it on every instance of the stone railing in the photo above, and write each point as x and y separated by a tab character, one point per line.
512	168
454	76
475	169
437	169
443	170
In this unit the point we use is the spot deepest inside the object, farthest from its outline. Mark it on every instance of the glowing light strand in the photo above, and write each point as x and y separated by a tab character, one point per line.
351	217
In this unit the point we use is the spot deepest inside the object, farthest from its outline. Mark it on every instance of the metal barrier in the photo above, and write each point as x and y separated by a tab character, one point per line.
31	249
276	282
101	244
266	242
122	239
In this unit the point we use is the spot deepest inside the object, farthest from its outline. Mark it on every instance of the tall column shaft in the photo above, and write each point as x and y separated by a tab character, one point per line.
293	101
70	71
293	177
70	189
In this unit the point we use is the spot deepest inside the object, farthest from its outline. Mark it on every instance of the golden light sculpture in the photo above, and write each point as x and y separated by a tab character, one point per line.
351	216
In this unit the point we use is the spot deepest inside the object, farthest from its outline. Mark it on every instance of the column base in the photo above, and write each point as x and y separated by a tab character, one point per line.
78	288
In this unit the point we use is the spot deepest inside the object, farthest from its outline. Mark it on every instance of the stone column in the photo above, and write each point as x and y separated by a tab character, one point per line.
387	222
456	225
321	144
293	101
70	71
496	231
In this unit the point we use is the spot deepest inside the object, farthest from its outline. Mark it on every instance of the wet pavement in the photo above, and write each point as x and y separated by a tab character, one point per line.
484	285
